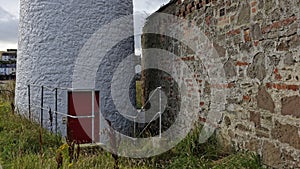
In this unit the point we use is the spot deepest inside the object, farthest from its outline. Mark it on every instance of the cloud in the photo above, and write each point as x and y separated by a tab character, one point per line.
5	46
8	27
148	6
142	9
13	6
9	21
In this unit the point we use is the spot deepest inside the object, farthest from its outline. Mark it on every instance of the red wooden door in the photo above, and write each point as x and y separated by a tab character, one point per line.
80	129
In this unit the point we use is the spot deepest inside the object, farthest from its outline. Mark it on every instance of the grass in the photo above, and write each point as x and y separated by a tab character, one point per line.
20	139
24	145
139	94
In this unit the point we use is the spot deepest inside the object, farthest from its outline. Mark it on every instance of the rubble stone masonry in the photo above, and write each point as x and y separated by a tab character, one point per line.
258	43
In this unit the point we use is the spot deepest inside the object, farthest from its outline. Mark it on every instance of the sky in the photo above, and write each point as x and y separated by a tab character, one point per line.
9	14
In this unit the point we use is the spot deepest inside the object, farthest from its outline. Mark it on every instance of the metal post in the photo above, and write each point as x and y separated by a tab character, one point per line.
93	116
134	127
29	108
55	109
42	104
160	112
100	119
51	119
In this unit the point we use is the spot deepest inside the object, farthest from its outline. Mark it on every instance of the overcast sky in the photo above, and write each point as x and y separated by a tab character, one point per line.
9	14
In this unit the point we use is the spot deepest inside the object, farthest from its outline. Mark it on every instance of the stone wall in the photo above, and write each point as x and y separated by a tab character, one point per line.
258	45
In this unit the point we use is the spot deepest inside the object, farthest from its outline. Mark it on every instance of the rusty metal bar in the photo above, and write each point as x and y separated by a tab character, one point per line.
55	110
42	105
29	107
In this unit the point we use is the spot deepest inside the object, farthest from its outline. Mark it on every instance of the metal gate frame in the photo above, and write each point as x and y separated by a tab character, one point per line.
92	116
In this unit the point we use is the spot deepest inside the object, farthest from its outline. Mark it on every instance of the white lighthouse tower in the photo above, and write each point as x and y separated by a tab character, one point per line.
54	37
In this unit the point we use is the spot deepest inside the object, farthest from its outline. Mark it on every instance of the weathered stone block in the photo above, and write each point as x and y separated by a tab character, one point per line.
253	145
264	100
256	32
288	59
286	134
257	69
283	46
255	117
220	49
271	155
230	69
294	42
291	106
244	15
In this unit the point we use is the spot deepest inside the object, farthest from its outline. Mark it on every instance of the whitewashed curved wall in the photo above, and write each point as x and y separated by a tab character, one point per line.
52	33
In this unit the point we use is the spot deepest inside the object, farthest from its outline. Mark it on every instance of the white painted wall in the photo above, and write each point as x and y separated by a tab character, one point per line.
52	34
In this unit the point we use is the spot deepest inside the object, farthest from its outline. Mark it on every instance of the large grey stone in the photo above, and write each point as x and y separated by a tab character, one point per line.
220	49
230	69
244	15
289	60
294	42
256	32
257	68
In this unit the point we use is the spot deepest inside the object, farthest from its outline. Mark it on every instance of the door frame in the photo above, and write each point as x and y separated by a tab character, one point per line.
93	92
